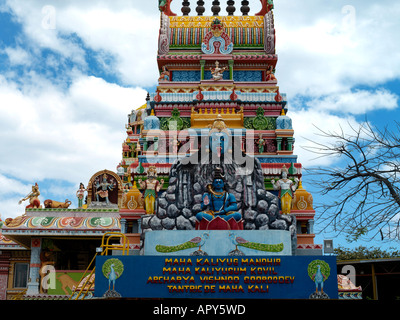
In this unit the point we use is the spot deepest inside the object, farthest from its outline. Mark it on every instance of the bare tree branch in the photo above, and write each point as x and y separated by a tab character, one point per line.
365	187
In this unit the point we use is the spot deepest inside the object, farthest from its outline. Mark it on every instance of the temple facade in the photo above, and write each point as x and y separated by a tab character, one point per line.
217	108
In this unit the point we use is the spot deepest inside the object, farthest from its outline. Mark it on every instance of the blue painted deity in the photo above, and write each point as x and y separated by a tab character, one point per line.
217	202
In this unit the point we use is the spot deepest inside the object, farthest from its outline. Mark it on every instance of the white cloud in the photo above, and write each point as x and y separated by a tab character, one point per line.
17	56
358	102
51	134
325	48
12	191
306	124
12	186
119	29
55	134
34	21
126	33
10	207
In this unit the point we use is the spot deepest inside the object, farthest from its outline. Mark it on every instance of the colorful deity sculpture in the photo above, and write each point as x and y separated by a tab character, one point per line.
164	75
80	194
217	202
270	74
102	189
286	189
217	72
261	144
151	187
33	198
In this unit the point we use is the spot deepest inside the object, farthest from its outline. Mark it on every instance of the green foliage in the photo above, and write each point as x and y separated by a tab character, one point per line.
313	267
356	233
362	252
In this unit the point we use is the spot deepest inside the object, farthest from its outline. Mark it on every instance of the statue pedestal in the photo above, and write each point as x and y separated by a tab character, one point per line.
219	224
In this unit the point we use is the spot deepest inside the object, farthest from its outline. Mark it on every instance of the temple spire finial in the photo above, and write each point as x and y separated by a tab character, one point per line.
215	8
200	8
231	7
185	7
245	8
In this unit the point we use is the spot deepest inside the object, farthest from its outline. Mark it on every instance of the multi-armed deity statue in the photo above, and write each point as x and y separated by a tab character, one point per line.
103	188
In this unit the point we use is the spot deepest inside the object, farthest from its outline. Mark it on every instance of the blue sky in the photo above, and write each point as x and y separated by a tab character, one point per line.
71	71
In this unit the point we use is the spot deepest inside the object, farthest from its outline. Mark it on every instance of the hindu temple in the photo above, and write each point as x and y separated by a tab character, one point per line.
207	167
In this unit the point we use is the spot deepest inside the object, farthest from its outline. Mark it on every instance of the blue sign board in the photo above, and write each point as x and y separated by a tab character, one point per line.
244	277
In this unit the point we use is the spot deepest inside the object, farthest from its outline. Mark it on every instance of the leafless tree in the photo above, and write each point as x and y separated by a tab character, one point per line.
361	196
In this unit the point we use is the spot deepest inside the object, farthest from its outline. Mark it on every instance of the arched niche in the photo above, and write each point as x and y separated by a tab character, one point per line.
114	195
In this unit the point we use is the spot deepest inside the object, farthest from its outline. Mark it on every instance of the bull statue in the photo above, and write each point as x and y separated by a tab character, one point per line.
51	204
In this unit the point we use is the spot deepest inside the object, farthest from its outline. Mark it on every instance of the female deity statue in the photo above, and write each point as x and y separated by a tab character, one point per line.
33	198
164	75
80	194
286	189
217	72
261	143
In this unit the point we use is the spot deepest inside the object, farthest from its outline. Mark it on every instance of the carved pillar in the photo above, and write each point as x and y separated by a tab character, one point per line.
202	64
311	226
4	266
290	144
279	143
145	145
123	225
34	267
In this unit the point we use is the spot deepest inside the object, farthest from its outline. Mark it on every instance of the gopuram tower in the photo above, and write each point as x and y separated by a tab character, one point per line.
217	112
